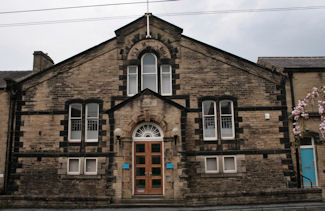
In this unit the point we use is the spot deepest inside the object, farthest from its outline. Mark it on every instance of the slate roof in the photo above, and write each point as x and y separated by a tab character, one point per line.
293	62
14	75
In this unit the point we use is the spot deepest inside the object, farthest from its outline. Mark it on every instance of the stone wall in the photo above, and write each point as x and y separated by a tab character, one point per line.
261	146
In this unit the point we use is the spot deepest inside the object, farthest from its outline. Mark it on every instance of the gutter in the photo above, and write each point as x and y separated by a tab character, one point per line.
293	105
12	104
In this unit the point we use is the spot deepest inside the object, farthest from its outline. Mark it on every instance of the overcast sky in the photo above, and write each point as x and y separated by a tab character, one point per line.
248	35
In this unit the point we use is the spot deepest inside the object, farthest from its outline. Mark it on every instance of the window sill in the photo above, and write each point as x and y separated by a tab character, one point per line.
80	177
221	175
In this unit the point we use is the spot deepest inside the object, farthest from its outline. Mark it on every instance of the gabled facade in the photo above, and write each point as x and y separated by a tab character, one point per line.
161	116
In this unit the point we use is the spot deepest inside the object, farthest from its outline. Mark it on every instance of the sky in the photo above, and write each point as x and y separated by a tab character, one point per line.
248	35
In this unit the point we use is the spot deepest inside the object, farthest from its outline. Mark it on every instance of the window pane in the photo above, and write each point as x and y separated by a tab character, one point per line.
165	85
229	163
140	172
140	160
149	81
165	68
226	126
73	165
208	108
91	165
209	127
211	164
149	63
140	183
76	110
156	183
132	84
155	159
75	132
155	147
156	172
226	107
140	148
92	129
132	69
92	110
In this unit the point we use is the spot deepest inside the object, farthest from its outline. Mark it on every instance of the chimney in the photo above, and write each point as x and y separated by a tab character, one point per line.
41	61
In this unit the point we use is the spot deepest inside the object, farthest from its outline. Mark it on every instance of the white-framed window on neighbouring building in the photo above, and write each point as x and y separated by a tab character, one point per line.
226	119
166	80
209	120
75	122
90	166
132	80
149	72
73	166
92	118
211	164
229	164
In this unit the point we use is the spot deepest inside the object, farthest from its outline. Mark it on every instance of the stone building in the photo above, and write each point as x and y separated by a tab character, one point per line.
304	73
149	116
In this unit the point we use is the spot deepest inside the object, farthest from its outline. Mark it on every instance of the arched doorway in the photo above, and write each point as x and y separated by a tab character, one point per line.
148	159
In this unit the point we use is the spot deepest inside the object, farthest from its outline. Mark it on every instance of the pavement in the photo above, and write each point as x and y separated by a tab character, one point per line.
313	206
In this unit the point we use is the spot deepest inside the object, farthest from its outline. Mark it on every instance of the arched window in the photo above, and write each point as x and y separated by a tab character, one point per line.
226	119
149	72
147	131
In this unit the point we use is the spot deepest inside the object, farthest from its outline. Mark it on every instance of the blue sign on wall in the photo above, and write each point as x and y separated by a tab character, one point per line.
125	166
170	165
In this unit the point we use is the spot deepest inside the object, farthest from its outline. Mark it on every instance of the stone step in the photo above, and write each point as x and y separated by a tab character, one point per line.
145	201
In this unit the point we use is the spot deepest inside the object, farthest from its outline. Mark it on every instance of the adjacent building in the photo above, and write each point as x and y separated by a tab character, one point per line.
303	74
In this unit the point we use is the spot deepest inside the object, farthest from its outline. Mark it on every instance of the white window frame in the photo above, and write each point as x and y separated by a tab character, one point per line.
85	169
71	118
92	118
215	121
227	115
128	80
149	73
223	164
170	81
68	166
206	166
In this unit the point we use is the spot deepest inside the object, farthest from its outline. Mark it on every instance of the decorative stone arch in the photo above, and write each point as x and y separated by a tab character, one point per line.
150	45
146	117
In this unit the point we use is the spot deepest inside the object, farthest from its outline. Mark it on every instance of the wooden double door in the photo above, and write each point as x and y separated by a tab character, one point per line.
148	171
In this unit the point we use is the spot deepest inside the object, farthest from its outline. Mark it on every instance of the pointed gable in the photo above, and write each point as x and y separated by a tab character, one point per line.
143	93
153	22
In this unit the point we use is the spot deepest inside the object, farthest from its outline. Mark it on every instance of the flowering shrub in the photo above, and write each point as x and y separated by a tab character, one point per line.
299	113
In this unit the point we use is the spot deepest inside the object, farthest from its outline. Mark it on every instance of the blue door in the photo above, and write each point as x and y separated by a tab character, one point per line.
308	166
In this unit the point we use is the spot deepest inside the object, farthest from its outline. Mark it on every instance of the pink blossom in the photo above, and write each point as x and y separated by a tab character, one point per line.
320	109
315	92
305	115
297	131
300	111
301	104
296	112
322	129
308	97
